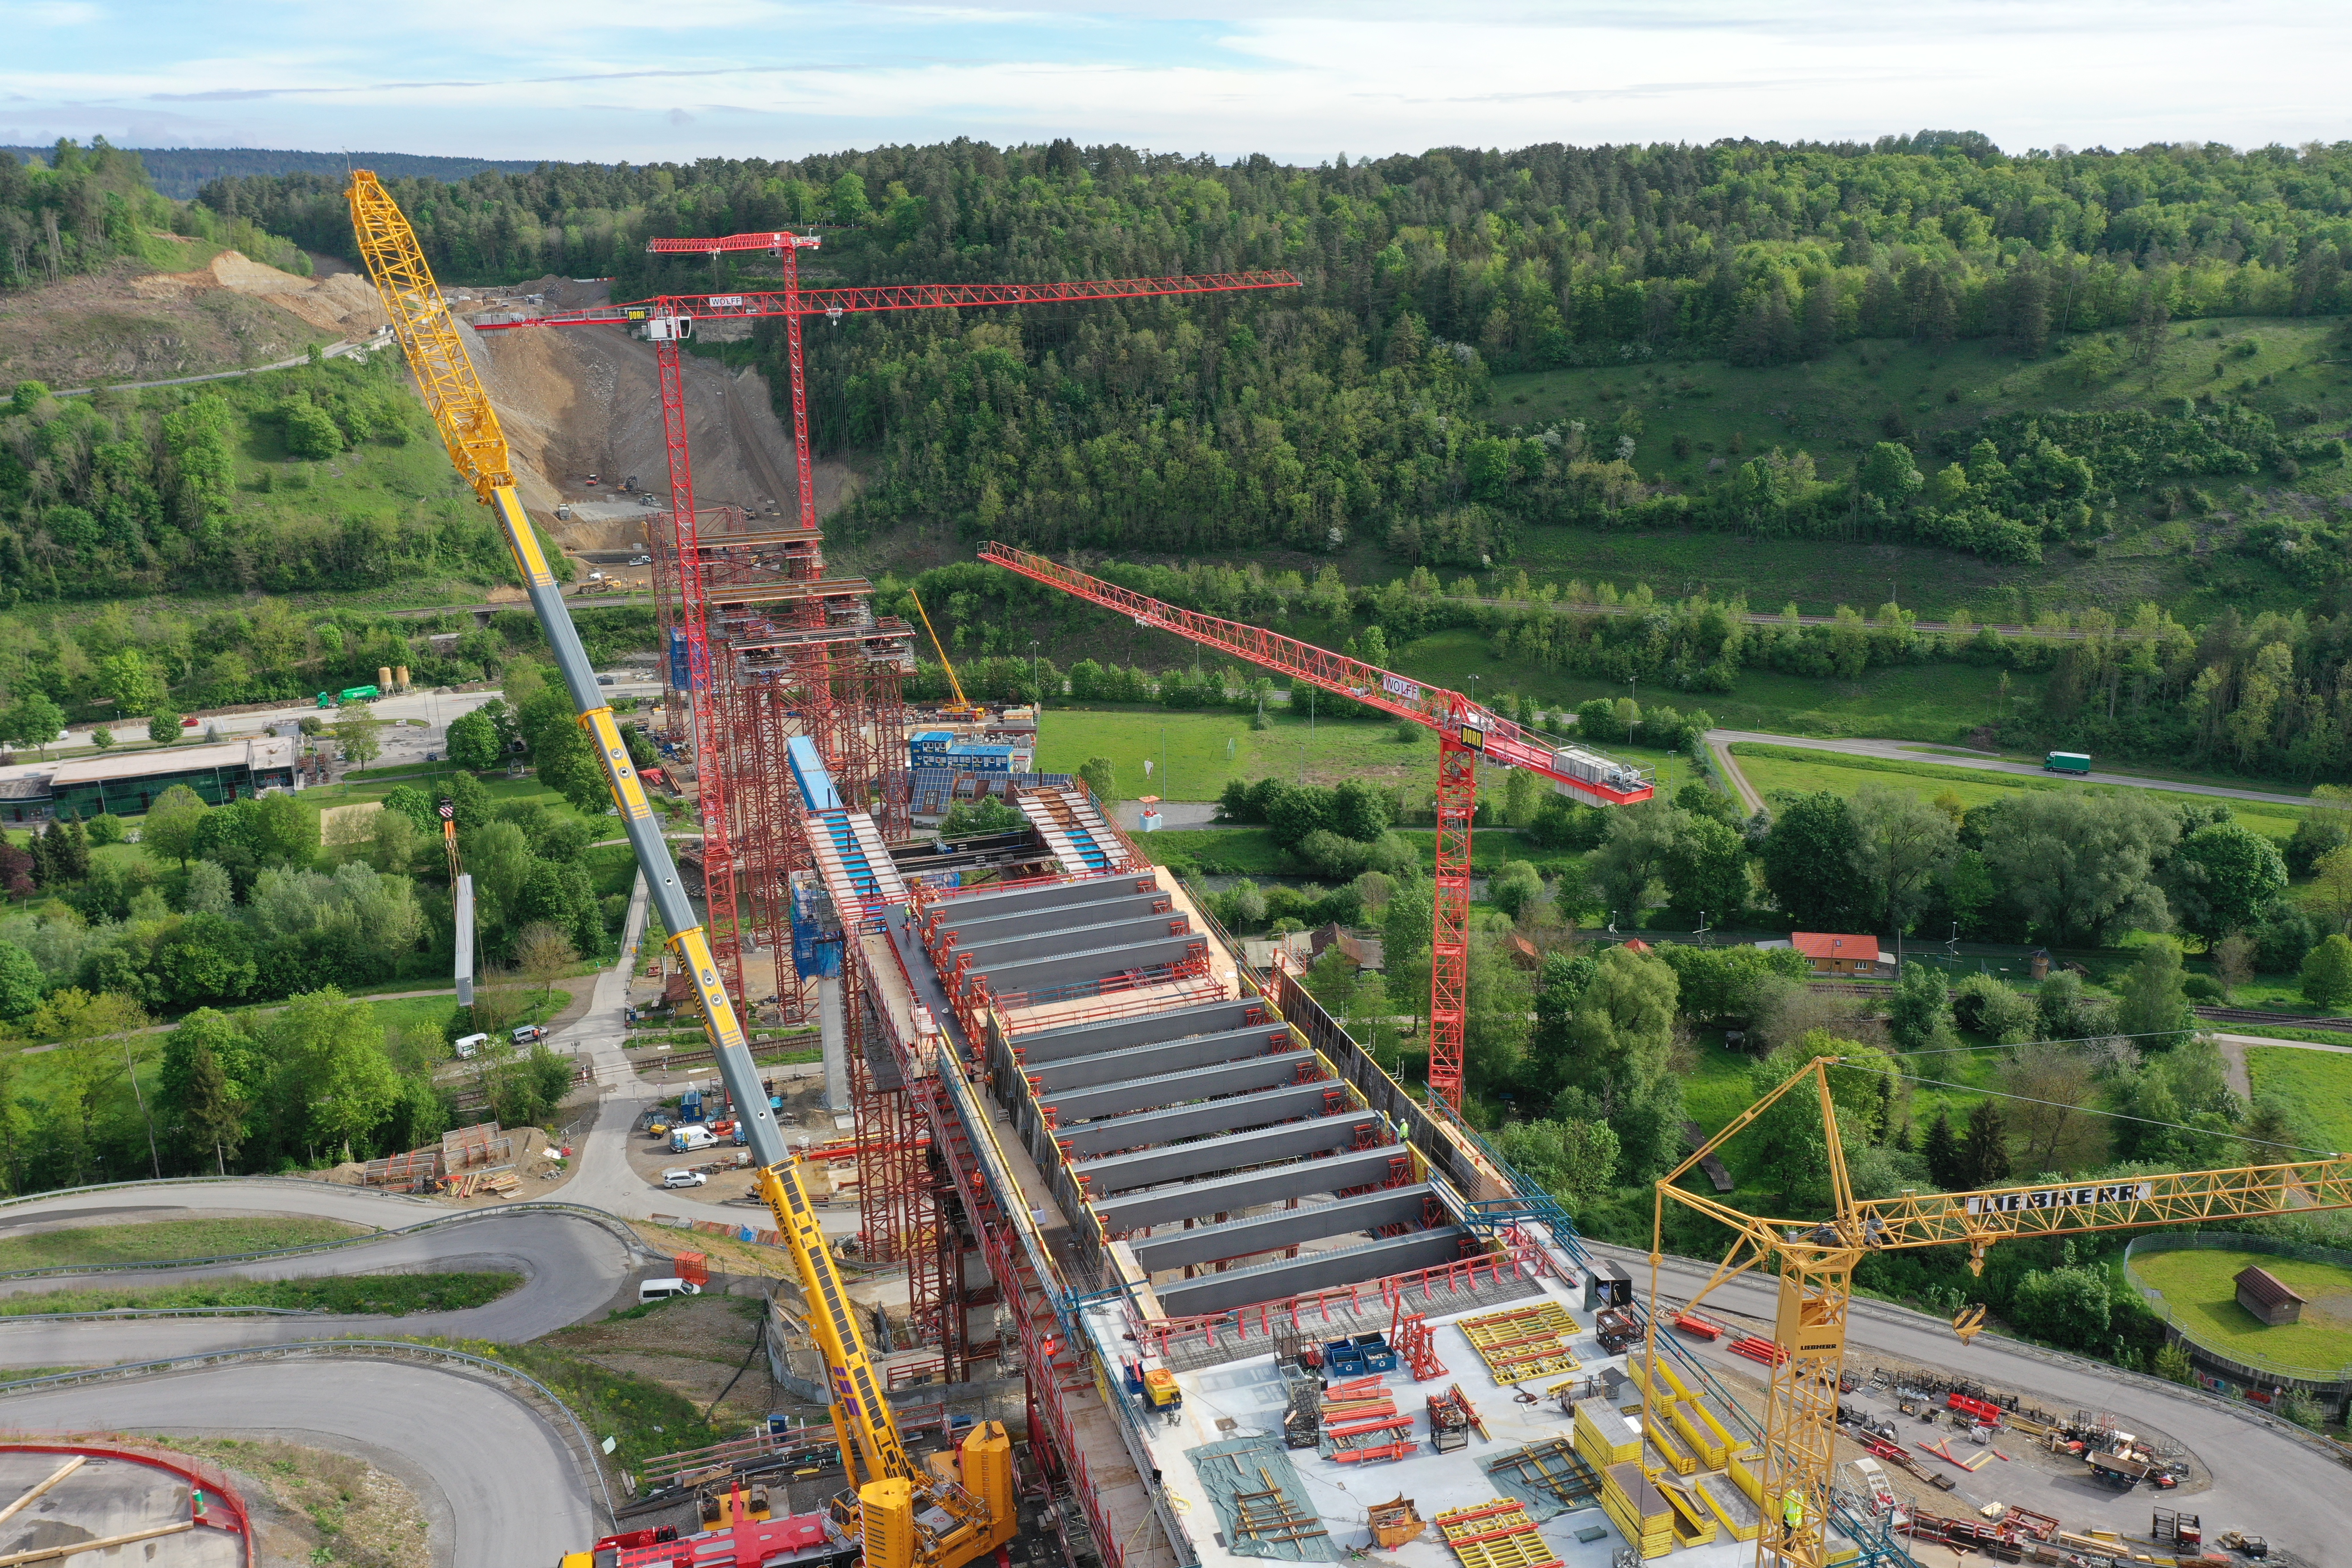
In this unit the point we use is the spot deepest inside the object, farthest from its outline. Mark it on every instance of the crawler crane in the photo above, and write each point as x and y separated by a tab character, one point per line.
1816	1259
903	1517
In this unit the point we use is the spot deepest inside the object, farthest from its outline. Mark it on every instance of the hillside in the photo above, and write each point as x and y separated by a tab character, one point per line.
180	172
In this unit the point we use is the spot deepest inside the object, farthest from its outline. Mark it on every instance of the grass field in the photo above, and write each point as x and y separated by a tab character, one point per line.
156	1241
1935	702
1202	749
2317	1085
1778	767
382	1295
2197	1285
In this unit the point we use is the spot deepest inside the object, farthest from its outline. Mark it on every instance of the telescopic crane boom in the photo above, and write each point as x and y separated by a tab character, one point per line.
905	1518
1815	1260
963	705
1464	731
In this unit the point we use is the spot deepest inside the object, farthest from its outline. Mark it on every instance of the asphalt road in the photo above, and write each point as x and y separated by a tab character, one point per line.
1910	752
573	1267
498	1486
2264	1481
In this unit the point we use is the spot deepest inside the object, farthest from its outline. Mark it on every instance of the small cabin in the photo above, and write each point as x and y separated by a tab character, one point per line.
1838	952
2268	1298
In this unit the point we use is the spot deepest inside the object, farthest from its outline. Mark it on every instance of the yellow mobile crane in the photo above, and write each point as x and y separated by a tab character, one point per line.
1816	1259
905	1518
962	707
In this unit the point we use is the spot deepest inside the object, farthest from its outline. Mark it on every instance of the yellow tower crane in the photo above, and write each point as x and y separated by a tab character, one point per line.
1816	1258
963	1506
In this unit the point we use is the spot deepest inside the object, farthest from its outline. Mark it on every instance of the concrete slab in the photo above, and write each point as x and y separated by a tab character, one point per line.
1235	1152
1291	1277
1285	1227
1160	1057
1235	1194
1077	1106
1235	1113
1081	967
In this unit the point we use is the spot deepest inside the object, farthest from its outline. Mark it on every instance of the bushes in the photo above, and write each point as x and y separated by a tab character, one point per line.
1983	1005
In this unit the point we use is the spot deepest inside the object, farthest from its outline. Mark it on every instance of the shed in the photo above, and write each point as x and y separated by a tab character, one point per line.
2267	1297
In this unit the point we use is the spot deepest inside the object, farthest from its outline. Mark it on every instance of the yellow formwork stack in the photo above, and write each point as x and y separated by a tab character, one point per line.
1669	1386
1679	1459
1739	1513
1699	1428
1605	1438
1745	1477
1638	1509
1692	1524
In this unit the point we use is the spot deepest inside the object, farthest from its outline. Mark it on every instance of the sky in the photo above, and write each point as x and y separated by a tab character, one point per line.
1300	80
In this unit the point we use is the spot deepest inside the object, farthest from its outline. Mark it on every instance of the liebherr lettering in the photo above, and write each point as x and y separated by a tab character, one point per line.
2060	1198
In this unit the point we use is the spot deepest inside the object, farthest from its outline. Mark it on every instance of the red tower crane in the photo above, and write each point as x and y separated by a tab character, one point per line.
668	320
1465	731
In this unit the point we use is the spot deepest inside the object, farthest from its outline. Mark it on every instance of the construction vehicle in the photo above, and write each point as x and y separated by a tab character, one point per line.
962	707
2241	1544
1815	1260
900	1517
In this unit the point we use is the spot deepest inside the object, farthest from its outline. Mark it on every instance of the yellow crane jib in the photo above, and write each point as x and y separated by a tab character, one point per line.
1815	1260
965	1506
461	410
961	704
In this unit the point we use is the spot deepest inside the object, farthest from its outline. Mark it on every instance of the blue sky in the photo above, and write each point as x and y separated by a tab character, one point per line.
1299	80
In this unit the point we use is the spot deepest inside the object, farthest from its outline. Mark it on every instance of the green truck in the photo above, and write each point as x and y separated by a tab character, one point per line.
349	694
2067	763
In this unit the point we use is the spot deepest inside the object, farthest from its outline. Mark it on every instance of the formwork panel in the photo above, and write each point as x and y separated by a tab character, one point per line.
1209	1156
1288	1227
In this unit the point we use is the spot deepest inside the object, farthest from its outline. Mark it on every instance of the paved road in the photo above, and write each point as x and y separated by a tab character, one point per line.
498	1486
572	1268
2264	1481
1911	752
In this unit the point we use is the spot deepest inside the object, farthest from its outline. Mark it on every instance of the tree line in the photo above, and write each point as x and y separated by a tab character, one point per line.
73	209
1301	418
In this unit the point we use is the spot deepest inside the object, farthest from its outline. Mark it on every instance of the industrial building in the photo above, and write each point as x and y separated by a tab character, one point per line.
127	782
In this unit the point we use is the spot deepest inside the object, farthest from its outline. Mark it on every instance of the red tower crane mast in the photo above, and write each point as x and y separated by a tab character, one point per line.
1465	731
668	320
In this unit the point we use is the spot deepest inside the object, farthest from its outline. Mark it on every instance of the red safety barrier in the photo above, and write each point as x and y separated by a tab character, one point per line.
211	1483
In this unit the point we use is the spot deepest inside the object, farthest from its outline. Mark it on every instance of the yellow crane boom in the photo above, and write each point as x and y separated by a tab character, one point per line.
1816	1259
906	1518
961	705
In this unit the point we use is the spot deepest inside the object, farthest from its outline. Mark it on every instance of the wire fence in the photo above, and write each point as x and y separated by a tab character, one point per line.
2248	1365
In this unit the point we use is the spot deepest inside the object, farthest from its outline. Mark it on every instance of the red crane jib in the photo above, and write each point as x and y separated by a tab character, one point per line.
1464	731
1452	715
892	296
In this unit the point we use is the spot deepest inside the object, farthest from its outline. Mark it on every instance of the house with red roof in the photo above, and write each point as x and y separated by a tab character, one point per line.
1840	952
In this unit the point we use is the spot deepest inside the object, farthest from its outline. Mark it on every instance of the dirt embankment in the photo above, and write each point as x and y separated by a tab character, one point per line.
127	324
577	401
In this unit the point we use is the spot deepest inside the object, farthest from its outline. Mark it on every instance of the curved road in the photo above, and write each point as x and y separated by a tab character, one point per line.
497	1484
1914	751
2264	1481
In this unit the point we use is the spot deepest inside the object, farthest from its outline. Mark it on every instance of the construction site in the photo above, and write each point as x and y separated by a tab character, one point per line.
1193	1279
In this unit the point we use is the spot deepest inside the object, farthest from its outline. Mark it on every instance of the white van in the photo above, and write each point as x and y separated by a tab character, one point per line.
467	1045
662	1290
693	1135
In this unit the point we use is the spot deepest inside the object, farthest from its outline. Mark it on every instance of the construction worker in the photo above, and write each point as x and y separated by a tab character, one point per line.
1792	1516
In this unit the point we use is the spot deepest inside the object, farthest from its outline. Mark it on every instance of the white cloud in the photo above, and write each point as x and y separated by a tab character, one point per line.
1299	80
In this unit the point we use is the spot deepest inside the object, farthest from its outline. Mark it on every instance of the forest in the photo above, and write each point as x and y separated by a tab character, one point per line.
76	209
1351	404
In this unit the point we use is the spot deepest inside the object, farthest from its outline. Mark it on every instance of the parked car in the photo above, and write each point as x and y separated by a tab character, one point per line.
467	1044
662	1290
530	1034
685	1179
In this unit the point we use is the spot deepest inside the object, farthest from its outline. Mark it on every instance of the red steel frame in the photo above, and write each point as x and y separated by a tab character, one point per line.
1464	731
843	694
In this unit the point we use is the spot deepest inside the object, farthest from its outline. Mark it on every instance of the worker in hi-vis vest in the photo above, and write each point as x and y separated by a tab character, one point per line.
1793	1515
